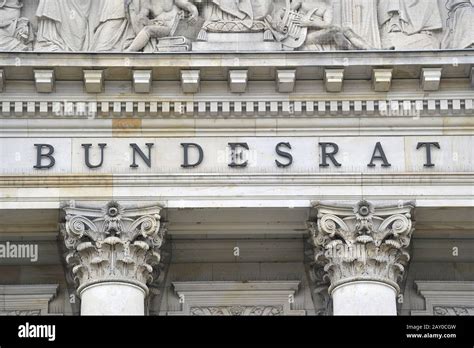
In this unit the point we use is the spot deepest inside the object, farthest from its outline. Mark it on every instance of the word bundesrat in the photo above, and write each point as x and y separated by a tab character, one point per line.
238	155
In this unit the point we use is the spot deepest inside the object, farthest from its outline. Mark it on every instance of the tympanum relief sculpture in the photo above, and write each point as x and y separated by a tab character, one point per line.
309	24
15	31
235	16
248	25
409	24
460	25
165	17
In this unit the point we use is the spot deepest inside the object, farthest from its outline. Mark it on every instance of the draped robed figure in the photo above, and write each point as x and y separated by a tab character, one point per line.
115	28
361	17
86	25
460	25
15	31
409	24
64	25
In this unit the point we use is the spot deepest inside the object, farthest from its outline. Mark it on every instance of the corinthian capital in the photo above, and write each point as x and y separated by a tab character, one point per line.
113	243
362	242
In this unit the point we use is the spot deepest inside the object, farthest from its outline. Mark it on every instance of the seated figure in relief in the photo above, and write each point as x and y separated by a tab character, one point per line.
113	29
166	15
15	31
460	25
308	24
409	24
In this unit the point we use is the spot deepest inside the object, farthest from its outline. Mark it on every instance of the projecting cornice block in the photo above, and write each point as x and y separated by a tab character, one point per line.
382	79
44	81
431	79
142	81
190	81
334	80
238	80
94	81
286	81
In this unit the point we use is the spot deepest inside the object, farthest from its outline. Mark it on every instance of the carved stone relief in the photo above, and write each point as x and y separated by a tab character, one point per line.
213	25
453	311
409	24
460	25
238	311
15	31
365	242
113	243
252	298
446	298
20	313
26	300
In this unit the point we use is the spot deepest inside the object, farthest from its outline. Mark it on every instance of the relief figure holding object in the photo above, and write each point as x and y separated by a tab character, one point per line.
166	15
308	24
15	31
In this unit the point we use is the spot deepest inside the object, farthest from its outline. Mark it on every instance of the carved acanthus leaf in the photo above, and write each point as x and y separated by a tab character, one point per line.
113	243
362	242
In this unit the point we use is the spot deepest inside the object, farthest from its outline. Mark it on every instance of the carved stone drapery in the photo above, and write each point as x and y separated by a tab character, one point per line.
362	242
177	26
113	243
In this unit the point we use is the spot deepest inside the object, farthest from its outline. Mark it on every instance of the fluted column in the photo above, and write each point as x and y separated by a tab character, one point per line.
114	251
362	251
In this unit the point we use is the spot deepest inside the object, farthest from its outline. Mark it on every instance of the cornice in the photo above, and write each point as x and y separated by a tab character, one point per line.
163	180
232	59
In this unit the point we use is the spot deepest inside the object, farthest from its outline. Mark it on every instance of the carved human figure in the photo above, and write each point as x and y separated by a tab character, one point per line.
63	25
460	25
166	15
361	17
319	33
409	23
15	32
117	24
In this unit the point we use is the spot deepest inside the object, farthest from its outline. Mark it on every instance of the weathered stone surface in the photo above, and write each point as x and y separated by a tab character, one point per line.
112	243
362	243
223	25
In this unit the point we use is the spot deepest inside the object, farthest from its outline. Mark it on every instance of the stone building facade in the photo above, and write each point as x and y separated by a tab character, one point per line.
236	157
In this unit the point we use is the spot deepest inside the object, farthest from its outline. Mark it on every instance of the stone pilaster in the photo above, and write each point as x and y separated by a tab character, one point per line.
362	243
113	244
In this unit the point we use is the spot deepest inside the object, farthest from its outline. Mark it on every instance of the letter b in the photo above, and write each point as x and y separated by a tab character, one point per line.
40	156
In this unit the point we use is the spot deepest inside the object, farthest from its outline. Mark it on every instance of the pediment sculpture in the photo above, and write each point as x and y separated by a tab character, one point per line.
15	31
234	25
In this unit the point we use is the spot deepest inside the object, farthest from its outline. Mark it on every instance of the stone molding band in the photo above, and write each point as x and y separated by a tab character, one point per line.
275	108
